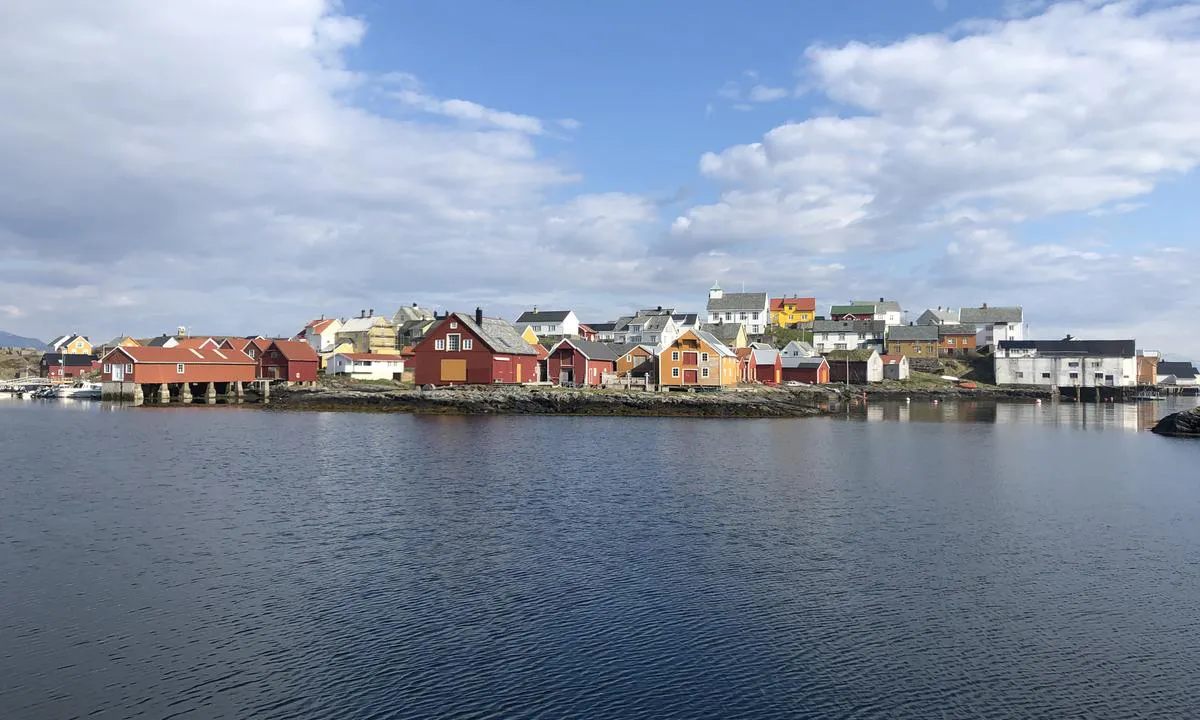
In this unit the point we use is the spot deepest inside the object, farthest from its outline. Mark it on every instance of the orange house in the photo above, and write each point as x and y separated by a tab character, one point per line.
697	360
638	360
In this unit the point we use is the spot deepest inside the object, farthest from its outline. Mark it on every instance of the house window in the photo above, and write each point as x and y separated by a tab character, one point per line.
453	326
1072	364
453	343
1020	375
1045	376
107	368
179	369
743	316
468	344
728	316
1074	376
439	344
703	357
755	316
1099	376
674	372
128	367
841	336
675	356
704	372
951	341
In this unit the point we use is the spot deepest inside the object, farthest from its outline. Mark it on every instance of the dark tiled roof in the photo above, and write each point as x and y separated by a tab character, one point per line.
1099	348
603	327
988	315
531	316
803	362
498	334
725	332
1178	369
915	333
739	301
954	329
593	350
862	327
69	360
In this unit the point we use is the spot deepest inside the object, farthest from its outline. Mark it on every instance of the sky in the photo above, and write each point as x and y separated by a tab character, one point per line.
242	168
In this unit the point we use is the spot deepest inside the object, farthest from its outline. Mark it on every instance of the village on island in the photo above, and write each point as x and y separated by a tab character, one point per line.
742	340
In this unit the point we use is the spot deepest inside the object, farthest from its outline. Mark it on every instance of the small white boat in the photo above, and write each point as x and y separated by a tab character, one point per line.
1146	397
79	391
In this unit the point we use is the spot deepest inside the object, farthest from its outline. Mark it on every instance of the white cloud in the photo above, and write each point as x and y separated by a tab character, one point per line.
742	94
766	93
471	112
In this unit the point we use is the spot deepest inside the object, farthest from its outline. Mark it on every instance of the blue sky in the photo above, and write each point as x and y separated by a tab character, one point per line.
239	168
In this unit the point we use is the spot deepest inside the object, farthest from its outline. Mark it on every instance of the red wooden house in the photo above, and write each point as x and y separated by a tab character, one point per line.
473	350
59	366
580	362
291	360
254	347
158	365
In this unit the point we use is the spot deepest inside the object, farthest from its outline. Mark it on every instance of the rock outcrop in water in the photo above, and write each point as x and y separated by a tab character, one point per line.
1180	424
760	403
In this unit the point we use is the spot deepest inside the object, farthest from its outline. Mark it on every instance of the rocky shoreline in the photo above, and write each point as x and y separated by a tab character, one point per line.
763	402
1180	424
758	403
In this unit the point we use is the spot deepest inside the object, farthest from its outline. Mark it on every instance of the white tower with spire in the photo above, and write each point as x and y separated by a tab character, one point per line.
715	292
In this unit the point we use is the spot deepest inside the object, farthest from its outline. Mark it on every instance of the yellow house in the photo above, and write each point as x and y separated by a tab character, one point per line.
697	360
369	334
793	311
639	359
529	336
341	348
733	334
72	345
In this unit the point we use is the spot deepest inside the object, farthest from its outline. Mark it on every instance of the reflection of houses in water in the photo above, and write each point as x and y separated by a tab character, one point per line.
1088	416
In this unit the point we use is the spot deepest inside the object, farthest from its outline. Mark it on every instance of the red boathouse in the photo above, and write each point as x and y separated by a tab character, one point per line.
465	350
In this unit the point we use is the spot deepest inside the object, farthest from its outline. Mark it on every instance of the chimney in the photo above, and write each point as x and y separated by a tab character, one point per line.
479	316
371	312
535	308
414	304
362	313
660	308
985	306
880	299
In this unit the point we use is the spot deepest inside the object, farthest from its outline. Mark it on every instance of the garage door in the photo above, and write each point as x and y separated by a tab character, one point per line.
454	371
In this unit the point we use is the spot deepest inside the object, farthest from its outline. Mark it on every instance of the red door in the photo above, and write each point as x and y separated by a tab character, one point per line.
691	358
691	377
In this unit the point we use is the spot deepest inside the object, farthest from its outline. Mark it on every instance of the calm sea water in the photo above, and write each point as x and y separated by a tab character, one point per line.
1026	562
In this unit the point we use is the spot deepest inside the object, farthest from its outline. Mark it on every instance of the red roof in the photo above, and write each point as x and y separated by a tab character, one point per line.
319	326
198	341
371	356
805	304
891	359
236	343
175	355
296	350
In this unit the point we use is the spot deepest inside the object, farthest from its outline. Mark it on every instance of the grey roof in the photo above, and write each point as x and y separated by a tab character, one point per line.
880	305
914	333
1094	348
655	322
622	323
161	341
1178	369
498	334
862	327
954	329
764	356
602	327
803	362
725	332
939	315
68	360
364	324
624	349
739	301
592	350
715	342
988	315
535	316
799	348
686	319
409	313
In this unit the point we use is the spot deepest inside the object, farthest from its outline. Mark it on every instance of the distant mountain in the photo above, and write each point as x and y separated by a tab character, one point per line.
8	340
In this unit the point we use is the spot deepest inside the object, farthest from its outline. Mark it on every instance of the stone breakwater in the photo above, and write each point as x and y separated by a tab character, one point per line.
1180	424
759	403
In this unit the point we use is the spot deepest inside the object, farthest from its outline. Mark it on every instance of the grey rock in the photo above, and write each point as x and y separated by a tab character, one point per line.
1180	424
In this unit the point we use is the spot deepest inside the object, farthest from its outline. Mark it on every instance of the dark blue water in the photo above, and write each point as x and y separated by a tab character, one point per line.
231	563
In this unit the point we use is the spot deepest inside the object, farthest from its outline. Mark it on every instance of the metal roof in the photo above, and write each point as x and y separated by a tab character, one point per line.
739	301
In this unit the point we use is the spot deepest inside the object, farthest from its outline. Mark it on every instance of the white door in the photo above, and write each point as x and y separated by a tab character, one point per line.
118	373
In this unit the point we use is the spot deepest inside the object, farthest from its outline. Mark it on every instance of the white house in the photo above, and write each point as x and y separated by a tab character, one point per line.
895	367
1066	363
320	334
798	349
1182	374
657	328
366	366
994	325
939	316
831	335
750	309
545	323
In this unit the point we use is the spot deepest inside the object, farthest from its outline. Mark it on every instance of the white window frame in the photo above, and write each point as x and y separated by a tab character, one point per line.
454	342
703	372
180	368
128	367
107	368
439	344
453	326
468	344
703	357
674	356
675	372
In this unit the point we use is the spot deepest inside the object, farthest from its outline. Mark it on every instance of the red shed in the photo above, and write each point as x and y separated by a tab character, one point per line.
812	370
58	366
291	360
768	364
465	350
580	362
157	365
